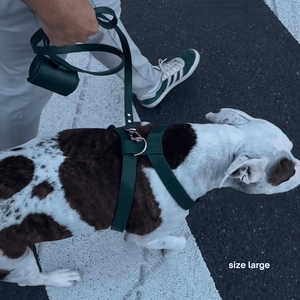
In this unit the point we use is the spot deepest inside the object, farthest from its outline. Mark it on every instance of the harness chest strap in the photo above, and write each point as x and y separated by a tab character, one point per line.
154	152
127	186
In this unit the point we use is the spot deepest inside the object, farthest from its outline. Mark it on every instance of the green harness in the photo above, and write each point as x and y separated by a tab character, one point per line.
56	71
153	149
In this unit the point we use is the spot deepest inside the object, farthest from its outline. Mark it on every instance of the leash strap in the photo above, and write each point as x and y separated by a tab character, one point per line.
53	51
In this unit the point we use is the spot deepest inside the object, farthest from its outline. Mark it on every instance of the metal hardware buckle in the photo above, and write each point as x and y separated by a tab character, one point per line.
136	137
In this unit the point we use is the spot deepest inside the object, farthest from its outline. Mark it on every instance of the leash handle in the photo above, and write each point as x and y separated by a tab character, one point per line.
52	51
126	62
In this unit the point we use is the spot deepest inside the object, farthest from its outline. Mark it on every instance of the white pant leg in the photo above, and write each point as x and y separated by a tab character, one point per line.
21	103
144	77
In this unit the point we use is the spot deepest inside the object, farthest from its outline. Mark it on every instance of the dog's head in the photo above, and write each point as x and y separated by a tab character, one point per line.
264	164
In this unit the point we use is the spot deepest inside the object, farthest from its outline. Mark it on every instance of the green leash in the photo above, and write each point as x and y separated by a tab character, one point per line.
51	72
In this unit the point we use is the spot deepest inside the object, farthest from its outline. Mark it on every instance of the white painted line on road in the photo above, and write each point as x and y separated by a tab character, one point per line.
288	12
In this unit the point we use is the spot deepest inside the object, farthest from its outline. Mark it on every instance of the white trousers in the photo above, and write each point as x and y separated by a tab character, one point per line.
21	103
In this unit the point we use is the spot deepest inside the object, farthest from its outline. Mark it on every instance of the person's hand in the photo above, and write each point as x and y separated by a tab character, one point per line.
65	22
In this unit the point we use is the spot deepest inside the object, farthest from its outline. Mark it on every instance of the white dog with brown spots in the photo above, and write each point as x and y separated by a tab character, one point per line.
58	186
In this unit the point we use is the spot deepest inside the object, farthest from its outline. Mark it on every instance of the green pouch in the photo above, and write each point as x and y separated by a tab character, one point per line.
45	73
48	70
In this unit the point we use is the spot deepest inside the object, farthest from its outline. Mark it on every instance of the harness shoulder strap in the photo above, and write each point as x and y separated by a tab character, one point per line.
162	168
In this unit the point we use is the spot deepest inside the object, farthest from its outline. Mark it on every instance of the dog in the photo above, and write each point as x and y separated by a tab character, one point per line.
58	186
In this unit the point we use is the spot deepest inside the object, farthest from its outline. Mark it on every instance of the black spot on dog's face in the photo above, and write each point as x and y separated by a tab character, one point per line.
15	173
40	144
42	190
282	172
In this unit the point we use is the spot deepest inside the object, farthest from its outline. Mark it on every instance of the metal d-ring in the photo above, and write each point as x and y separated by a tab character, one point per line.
136	137
146	145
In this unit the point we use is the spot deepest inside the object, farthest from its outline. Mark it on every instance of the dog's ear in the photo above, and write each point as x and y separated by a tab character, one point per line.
248	170
229	116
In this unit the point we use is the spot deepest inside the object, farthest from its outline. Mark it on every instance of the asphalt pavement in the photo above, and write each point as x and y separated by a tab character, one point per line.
249	61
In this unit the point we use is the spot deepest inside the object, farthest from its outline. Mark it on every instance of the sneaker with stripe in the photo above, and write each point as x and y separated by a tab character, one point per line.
173	72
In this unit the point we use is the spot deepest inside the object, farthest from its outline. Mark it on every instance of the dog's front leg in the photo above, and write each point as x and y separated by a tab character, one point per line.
25	272
169	244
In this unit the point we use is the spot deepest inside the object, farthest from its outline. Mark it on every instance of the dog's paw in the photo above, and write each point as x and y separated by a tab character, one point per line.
62	278
177	243
130	238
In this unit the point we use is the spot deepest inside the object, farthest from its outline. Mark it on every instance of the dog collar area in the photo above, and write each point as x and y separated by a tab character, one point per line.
132	146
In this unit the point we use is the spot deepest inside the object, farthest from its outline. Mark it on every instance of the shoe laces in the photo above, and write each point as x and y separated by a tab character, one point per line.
169	68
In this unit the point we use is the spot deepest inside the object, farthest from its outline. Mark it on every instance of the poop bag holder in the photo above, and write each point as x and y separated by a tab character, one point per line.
45	73
53	73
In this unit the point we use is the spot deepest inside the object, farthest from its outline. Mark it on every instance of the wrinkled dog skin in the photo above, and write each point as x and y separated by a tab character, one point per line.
58	186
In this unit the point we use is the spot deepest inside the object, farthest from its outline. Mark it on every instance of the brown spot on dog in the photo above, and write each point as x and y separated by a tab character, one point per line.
42	190
145	213
91	176
282	172
91	173
177	142
3	273
15	173
12	249
35	228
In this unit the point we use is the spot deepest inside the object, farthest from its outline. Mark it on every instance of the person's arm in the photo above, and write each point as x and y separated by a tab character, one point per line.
65	22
